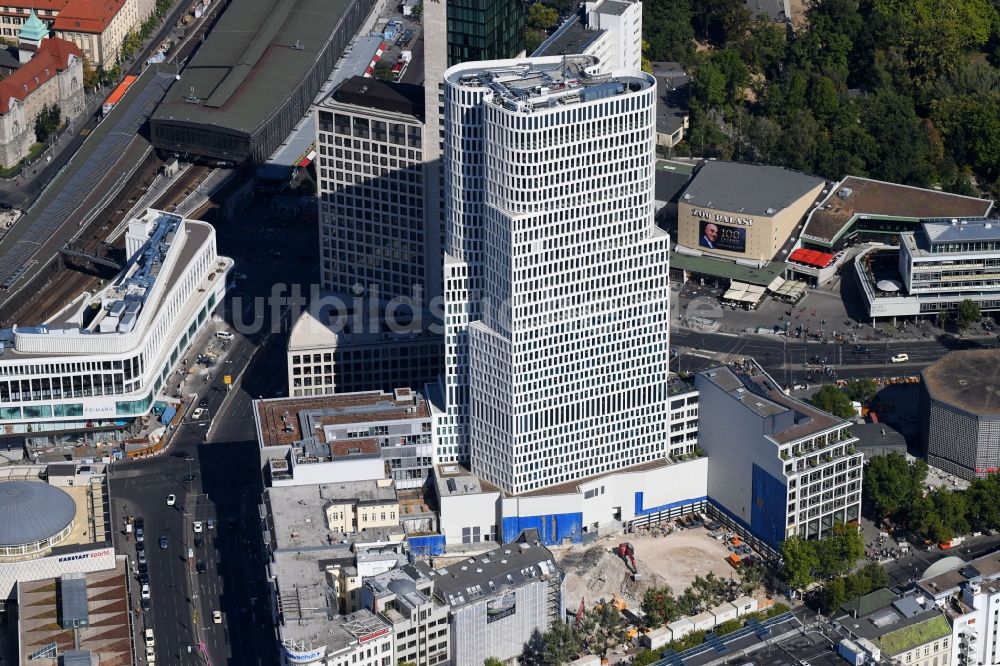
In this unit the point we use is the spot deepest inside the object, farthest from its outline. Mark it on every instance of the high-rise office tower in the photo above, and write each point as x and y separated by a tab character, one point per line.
556	286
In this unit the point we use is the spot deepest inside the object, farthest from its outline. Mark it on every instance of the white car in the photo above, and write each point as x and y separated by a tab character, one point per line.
225	335
900	358
171	499
145	590
216	617
150	655
197	526
198	413
150	642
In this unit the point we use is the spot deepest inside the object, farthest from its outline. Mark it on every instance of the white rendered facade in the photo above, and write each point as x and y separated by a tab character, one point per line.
556	306
81	367
683	422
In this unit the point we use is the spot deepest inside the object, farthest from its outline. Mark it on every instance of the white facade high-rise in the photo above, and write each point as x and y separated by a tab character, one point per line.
556	288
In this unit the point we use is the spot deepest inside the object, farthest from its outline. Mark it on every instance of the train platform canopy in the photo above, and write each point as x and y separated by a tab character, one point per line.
856	198
255	76
728	270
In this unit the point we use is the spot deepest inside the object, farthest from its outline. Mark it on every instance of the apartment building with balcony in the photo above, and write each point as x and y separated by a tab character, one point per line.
778	467
405	599
683	418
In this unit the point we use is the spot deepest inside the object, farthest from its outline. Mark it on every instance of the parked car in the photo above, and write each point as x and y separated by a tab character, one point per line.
150	640
225	335
900	358
140	535
142	557
197	526
199	542
171	499
145	591
146	604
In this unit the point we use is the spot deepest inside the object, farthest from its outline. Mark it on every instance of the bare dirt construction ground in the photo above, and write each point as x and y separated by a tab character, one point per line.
798	10
593	572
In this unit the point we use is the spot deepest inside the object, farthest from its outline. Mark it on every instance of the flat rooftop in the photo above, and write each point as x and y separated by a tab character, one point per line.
536	84
108	635
453	480
968	379
298	515
509	567
757	391
571	38
288	421
369	93
753	189
986	567
723	268
961	231
252	59
857	197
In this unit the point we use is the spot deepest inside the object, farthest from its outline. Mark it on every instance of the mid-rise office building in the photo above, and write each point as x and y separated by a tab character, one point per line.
556	303
777	467
405	599
314	638
370	183
102	360
326	355
939	265
611	30
346	437
499	600
683	418
900	629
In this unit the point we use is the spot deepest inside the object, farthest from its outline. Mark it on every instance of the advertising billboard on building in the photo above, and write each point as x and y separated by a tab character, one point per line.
715	236
501	607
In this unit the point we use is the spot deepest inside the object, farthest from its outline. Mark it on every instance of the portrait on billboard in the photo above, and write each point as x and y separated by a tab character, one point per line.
715	236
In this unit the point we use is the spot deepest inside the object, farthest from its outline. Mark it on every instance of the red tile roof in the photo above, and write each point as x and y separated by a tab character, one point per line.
52	57
87	15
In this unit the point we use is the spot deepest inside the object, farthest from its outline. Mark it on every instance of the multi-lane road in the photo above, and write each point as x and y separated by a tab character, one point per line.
786	359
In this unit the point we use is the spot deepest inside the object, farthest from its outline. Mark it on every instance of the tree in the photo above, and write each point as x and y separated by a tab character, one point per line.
47	122
861	390
91	78
659	606
892	484
560	644
831	399
604	628
493	661
800	561
645	657
983	499
839	550
382	71
542	17
751	577
667	28
968	313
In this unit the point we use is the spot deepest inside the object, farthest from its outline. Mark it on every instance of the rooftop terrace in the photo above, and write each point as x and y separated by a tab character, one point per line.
534	84
289	421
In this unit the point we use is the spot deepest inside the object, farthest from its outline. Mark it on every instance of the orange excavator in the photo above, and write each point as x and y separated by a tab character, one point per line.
627	553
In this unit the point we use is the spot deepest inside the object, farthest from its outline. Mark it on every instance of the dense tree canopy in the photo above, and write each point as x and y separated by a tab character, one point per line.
901	90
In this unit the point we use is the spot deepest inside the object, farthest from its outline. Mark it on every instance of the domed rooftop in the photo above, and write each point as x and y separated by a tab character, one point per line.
33	511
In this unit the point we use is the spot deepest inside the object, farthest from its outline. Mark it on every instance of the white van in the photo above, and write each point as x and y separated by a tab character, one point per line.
150	641
224	335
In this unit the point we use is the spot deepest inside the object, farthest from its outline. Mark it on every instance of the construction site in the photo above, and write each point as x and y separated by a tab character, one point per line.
665	555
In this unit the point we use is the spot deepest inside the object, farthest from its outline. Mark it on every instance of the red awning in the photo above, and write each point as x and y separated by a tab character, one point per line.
812	258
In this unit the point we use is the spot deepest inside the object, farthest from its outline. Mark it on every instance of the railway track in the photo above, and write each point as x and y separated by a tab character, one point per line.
184	186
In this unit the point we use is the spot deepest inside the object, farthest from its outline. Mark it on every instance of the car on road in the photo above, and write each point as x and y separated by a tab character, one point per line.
142	557
139	523
164	542
900	358
150	655
150	640
146	604
240	276
860	349
143	570
201	567
181	454
197	526
171	499
144	576
203	402
140	536
216	617
211	524
145	591
199	542
225	335
197	414
140	547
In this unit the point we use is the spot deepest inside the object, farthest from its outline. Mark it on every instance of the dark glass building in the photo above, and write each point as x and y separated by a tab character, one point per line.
484	30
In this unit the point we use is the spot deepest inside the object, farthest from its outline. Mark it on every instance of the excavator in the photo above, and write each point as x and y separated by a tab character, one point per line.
627	553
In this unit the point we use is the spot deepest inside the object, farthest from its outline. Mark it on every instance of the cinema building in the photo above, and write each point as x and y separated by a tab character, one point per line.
738	222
